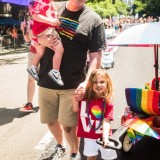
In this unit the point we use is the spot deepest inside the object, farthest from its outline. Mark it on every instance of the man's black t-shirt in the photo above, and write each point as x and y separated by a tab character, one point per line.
80	31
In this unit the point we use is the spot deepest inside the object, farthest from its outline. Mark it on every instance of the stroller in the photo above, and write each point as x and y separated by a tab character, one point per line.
142	114
141	118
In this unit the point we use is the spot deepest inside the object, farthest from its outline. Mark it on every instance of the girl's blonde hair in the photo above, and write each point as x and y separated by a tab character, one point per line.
108	94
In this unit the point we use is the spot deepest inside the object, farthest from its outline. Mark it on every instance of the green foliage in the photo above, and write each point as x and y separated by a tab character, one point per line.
105	8
139	6
150	8
122	8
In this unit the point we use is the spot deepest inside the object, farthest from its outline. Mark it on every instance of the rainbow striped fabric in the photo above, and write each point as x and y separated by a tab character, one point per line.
143	100
138	128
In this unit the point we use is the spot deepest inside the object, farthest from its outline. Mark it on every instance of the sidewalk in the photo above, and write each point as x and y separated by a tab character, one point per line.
10	51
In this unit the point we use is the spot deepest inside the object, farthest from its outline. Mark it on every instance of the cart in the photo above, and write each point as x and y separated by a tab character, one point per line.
142	115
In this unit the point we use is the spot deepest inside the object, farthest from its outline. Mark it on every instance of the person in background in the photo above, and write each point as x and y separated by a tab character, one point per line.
8	31
95	115
81	31
14	32
28	107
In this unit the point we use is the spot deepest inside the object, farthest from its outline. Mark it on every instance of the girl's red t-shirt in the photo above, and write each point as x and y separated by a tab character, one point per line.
90	115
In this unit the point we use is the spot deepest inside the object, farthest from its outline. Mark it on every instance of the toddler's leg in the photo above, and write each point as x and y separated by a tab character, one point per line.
33	71
54	74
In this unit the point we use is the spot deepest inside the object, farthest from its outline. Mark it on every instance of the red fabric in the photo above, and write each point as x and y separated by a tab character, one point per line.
95	111
155	102
44	8
153	85
32	49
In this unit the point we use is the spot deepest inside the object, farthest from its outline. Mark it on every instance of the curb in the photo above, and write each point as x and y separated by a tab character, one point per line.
13	51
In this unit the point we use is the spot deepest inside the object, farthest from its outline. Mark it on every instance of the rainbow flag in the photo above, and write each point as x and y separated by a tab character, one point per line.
139	128
143	100
134	135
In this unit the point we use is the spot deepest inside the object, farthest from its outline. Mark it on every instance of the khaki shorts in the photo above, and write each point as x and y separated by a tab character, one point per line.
57	105
50	31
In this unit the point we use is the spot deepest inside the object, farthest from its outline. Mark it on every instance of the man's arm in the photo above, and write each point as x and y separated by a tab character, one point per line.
94	62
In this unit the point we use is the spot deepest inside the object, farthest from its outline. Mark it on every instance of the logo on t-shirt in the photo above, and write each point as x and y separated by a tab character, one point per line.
68	27
96	111
94	117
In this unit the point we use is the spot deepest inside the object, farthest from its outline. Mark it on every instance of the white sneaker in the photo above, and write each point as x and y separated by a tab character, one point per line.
60	151
77	157
56	77
33	72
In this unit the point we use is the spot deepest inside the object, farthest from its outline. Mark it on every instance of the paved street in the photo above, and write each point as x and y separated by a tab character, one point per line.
22	129
23	137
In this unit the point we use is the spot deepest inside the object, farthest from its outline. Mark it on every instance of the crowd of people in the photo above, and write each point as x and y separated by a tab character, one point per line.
119	24
9	30
11	37
61	105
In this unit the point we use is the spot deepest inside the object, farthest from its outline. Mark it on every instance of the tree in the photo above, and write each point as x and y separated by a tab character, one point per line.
105	8
138	7
152	8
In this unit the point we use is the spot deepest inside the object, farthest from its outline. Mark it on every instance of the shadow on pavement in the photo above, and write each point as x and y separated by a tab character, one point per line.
13	51
8	115
11	61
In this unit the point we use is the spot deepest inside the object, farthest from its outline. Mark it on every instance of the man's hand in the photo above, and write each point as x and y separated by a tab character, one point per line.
80	91
55	22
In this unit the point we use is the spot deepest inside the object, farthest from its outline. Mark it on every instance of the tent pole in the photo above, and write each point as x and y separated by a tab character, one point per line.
156	67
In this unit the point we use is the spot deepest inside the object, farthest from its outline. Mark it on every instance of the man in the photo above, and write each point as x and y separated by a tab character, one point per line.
81	30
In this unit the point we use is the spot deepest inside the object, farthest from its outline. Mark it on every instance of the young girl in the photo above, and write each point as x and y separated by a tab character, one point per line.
95	114
45	21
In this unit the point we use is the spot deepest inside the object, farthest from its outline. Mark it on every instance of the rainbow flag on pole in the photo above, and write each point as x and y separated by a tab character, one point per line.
139	128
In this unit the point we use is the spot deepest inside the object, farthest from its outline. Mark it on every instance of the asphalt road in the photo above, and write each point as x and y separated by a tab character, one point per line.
22	135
